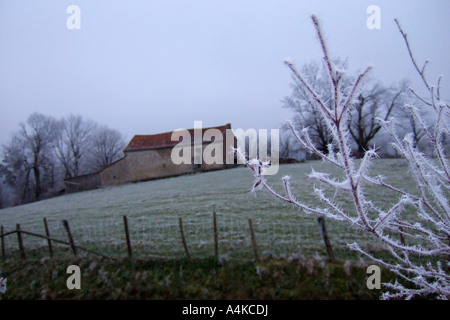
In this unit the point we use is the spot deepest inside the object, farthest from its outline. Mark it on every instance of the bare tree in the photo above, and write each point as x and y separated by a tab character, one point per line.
376	103
421	218
417	132
29	157
306	114
37	136
289	148
107	146
285	146
73	143
17	166
46	150
7	181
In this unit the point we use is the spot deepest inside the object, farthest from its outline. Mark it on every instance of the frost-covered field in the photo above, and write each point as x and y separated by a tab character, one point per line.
153	209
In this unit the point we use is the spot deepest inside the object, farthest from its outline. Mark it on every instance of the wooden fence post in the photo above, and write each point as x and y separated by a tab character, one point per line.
325	238
127	236
19	240
252	233
47	232
3	244
216	236
69	234
180	220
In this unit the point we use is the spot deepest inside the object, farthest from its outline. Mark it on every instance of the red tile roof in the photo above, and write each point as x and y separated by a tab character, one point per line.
162	140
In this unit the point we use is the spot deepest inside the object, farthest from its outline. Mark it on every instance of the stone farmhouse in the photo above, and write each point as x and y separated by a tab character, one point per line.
148	157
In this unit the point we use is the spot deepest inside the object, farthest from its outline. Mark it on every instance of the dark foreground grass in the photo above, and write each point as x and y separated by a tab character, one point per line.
176	279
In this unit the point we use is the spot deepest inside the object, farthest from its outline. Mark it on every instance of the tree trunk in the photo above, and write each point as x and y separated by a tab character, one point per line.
1	198
25	191
37	178
362	148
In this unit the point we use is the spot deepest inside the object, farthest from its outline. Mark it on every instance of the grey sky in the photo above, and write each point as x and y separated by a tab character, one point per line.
145	67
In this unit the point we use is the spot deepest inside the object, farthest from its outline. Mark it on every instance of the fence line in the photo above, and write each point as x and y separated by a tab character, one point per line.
19	240
19	233
127	236
223	236
183	238
47	233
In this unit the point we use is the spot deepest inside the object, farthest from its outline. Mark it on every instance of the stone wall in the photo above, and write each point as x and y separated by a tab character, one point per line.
83	183
152	164
115	174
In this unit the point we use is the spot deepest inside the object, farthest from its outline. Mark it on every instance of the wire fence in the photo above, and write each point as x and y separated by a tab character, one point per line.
226	236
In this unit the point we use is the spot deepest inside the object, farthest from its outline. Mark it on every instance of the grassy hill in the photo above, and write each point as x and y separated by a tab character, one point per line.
153	209
293	261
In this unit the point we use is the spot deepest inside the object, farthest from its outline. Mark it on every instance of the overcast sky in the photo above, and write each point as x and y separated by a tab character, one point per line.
145	67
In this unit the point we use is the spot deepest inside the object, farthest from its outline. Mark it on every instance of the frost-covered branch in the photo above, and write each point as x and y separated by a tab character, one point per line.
421	216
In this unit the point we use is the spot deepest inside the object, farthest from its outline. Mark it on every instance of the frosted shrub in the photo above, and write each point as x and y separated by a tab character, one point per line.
415	228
